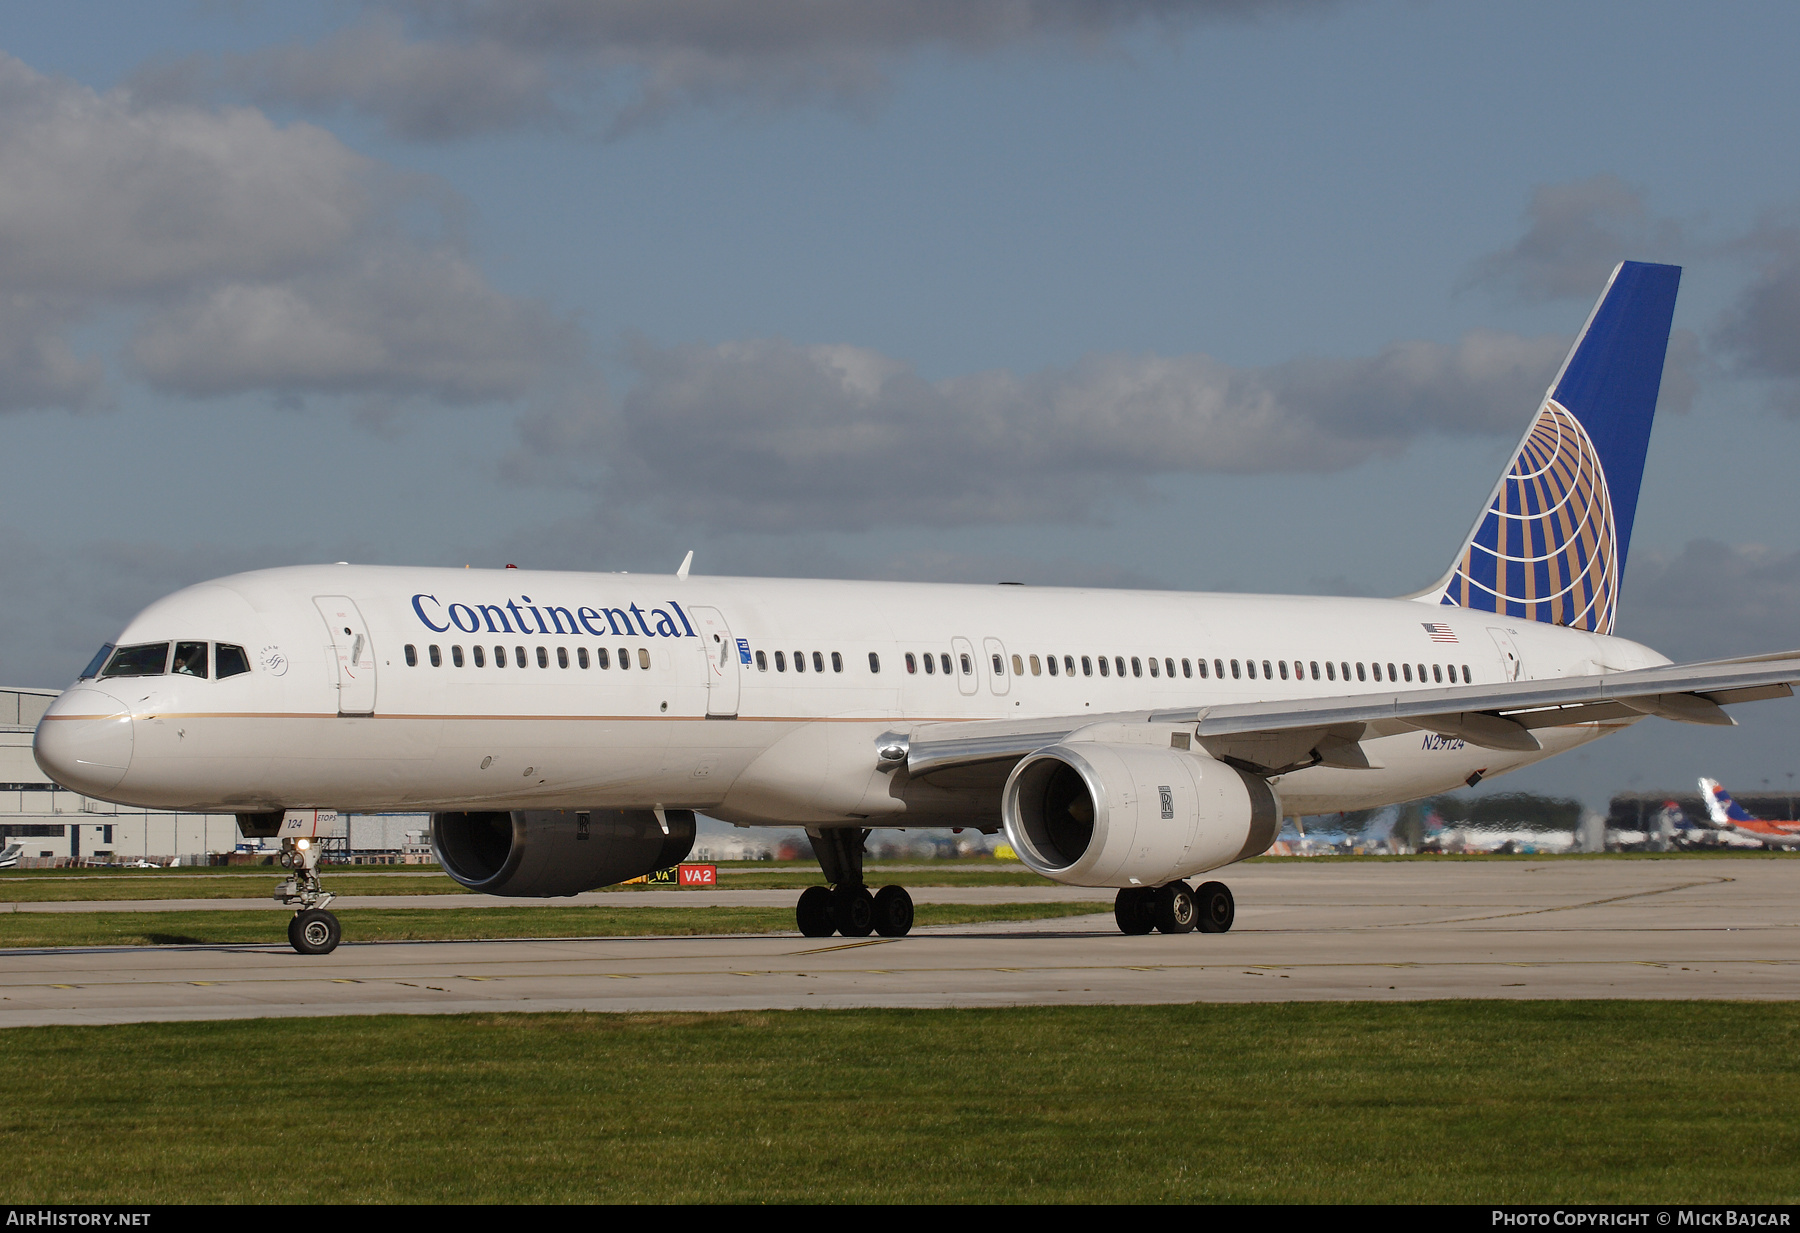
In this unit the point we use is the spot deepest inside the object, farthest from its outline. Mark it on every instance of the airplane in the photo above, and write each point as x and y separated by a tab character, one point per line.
564	728
1734	819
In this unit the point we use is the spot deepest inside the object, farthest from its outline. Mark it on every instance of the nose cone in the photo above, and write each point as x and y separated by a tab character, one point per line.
84	741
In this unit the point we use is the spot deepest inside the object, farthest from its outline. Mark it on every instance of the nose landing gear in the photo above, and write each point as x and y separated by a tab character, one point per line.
313	930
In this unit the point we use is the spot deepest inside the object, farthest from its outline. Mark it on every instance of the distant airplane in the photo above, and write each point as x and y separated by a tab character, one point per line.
564	728
1730	816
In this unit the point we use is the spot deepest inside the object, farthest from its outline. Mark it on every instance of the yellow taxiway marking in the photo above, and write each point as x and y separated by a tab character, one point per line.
845	946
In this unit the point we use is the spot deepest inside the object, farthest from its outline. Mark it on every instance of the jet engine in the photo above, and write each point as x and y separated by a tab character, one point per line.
546	852
1094	814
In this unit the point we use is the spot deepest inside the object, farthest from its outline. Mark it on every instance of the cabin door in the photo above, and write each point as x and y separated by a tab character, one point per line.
725	657
1509	654
355	655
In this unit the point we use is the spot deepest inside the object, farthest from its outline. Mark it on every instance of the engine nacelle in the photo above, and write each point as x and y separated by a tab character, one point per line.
1094	814
545	852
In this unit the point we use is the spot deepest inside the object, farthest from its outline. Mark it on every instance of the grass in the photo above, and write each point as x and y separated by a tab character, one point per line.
1467	1102
225	927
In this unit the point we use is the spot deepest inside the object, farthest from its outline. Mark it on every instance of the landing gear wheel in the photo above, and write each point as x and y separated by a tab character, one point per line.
1133	909
1216	907
853	908
314	932
1174	908
893	912
813	912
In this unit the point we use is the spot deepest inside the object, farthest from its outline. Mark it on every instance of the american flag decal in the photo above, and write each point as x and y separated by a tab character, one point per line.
1437	631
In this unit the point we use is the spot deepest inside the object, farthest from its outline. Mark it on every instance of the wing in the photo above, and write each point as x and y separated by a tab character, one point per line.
1273	738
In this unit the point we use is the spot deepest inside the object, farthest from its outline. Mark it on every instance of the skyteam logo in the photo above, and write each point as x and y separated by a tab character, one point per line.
1547	549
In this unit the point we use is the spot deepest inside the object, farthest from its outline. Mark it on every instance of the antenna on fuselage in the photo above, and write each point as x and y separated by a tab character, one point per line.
685	562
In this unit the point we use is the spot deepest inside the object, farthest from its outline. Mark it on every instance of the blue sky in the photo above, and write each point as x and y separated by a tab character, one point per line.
1183	295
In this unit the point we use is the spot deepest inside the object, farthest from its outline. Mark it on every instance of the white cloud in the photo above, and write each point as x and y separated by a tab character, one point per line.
436	71
770	435
1576	233
252	256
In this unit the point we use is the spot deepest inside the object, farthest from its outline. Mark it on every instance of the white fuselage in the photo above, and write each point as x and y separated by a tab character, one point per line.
331	719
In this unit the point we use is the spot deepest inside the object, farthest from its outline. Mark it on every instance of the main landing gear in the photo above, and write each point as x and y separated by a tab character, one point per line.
846	906
313	930
1175	908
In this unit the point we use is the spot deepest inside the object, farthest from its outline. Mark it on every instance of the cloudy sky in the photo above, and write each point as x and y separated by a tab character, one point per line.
1195	294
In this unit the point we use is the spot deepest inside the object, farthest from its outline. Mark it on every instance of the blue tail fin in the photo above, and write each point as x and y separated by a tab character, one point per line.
1551	544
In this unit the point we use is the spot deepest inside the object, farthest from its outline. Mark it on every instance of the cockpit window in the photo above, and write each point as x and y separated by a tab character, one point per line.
229	661
190	659
97	662
146	659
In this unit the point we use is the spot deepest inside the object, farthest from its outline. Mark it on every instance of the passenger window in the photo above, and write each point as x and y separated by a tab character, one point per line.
930	663
147	659
1152	666
1406	673
799	661
1330	671
190	659
1314	664
602	659
1087	667
412	656
1236	671
1391	675
874	662
543	658
837	662
499	657
1359	672
1203	669
818	661
480	657
1069	665
519	659
762	661
911	663
625	658
1345	669
780	661
944	659
1019	667
1376	669
581	656
562	657
1049	664
1283	669
1119	664
456	660
1219	668
1000	665
437	656
229	661
1250	668
1436	674
1267	675
1104	666
644	657
1169	666
1466	678
968	665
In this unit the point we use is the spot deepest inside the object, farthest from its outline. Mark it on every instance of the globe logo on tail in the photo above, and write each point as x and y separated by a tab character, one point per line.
1547	548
